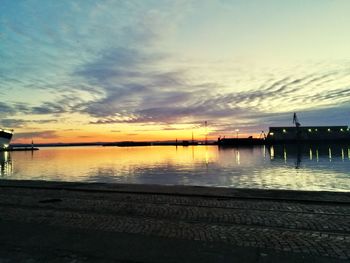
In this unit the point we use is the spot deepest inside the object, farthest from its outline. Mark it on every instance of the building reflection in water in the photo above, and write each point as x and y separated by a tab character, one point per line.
238	157
242	167
307	152
5	164
272	152
311	155
264	151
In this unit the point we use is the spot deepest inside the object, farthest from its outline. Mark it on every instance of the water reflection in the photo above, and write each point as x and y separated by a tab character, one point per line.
5	164
278	166
264	151
238	157
272	152
302	152
309	153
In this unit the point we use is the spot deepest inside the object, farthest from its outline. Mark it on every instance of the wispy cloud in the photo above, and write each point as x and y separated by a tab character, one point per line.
12	123
47	134
180	100
6	109
128	62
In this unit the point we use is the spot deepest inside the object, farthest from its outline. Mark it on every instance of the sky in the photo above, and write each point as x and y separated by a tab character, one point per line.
110	70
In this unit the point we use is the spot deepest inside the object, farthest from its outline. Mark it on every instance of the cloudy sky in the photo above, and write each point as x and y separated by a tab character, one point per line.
109	70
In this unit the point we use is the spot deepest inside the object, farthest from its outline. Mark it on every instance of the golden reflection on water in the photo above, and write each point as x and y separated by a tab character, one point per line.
206	155
126	159
141	155
280	167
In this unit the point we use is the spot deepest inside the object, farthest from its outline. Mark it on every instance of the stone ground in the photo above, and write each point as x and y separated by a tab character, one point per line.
73	222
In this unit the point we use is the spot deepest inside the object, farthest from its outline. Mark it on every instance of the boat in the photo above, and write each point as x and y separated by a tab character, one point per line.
5	138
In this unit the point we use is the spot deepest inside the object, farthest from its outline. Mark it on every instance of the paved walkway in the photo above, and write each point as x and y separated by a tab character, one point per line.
70	222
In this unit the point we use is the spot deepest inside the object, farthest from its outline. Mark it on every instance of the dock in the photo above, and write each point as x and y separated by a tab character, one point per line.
19	149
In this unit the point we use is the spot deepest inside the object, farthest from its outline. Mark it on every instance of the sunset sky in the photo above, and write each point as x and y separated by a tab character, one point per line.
83	71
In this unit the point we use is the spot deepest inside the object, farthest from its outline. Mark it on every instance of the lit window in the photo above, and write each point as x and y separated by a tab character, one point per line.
341	129
309	130
271	133
284	131
329	130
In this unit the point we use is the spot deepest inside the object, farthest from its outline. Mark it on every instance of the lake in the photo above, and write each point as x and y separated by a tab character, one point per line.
277	167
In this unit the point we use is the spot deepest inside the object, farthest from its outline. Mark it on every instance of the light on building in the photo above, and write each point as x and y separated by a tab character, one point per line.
341	129
329	130
284	131
309	130
271	133
316	130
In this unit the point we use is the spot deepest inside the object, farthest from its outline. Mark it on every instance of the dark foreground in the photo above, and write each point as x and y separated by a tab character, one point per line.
73	222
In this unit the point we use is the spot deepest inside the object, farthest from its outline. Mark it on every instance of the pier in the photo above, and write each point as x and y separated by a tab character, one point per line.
19	149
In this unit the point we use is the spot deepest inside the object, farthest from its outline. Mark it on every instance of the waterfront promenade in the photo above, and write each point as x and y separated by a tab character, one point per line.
77	222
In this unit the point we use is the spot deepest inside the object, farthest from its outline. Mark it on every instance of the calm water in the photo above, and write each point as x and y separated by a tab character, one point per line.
315	168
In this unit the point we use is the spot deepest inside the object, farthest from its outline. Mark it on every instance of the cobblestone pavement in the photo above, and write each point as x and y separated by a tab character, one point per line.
314	228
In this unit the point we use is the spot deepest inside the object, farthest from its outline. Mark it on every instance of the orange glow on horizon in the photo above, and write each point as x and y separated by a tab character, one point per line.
90	137
84	137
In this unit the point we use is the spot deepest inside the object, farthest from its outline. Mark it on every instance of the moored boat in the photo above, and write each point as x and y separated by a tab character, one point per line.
5	138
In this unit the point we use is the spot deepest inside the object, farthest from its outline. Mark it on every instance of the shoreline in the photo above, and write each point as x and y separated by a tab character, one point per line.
185	190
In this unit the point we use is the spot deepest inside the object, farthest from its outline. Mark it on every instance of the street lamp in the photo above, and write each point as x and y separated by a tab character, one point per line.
237	130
